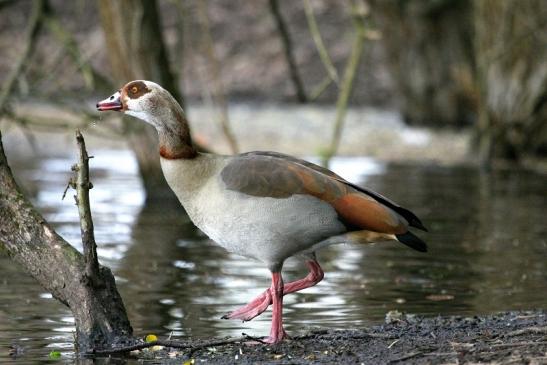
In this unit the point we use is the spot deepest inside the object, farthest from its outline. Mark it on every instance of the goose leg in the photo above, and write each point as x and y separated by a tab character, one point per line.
263	301
277	333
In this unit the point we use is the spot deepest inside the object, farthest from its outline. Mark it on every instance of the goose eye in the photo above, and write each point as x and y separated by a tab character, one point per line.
134	90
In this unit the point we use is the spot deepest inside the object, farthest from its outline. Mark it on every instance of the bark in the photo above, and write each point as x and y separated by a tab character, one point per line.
83	185
428	46
134	41
136	50
510	39
29	240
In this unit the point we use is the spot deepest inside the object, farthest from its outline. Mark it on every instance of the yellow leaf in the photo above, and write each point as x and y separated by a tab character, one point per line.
150	338
189	362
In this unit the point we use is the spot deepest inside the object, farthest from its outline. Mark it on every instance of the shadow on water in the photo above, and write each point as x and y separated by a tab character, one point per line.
487	253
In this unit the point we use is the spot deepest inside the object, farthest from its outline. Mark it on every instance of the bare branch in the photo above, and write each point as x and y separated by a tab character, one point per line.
318	40
358	15
320	89
173	344
92	78
288	49
86	221
33	28
46	125
24	126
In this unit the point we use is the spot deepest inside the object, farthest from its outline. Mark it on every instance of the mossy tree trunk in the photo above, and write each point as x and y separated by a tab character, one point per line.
428	45
511	53
98	310
457	62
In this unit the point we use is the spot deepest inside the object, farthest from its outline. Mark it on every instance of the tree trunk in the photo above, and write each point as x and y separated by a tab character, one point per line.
97	307
428	45
136	50
511	53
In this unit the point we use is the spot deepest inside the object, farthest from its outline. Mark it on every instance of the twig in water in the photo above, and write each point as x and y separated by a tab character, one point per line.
83	185
172	344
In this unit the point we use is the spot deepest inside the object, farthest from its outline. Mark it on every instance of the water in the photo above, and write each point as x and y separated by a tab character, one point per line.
487	240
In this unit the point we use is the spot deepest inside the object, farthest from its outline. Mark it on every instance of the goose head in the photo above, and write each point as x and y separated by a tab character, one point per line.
151	103
144	100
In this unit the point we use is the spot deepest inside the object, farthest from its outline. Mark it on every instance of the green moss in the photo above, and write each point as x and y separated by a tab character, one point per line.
3	249
72	255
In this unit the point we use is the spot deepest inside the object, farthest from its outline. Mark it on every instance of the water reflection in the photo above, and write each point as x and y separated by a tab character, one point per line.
487	253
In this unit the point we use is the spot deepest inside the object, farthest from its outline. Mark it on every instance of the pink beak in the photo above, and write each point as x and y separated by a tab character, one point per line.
112	103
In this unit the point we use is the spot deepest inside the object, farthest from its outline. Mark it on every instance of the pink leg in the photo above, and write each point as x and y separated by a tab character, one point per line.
263	301
315	275
277	333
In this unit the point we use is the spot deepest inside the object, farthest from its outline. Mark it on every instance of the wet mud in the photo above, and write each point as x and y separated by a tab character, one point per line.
504	338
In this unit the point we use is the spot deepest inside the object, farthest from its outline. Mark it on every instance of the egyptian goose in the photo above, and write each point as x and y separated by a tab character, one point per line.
263	205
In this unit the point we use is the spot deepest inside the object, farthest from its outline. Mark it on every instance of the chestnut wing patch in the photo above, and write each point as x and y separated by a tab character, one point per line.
410	217
274	176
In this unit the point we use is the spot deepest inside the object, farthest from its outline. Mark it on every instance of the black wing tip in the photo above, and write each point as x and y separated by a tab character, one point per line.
412	241
412	219
416	223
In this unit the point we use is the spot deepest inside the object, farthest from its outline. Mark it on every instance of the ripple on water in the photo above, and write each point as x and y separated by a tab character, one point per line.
487	249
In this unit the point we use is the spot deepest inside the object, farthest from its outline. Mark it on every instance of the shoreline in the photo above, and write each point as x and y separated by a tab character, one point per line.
301	130
502	338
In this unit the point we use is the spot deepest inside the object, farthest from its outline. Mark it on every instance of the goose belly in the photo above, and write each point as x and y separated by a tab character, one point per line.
267	229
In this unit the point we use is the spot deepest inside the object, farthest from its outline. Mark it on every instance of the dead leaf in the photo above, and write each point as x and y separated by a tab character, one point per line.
439	297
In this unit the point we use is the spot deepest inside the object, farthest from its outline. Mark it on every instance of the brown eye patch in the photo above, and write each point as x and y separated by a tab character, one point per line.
136	89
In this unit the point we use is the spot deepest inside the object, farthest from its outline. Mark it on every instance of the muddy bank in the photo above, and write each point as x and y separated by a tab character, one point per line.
512	337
